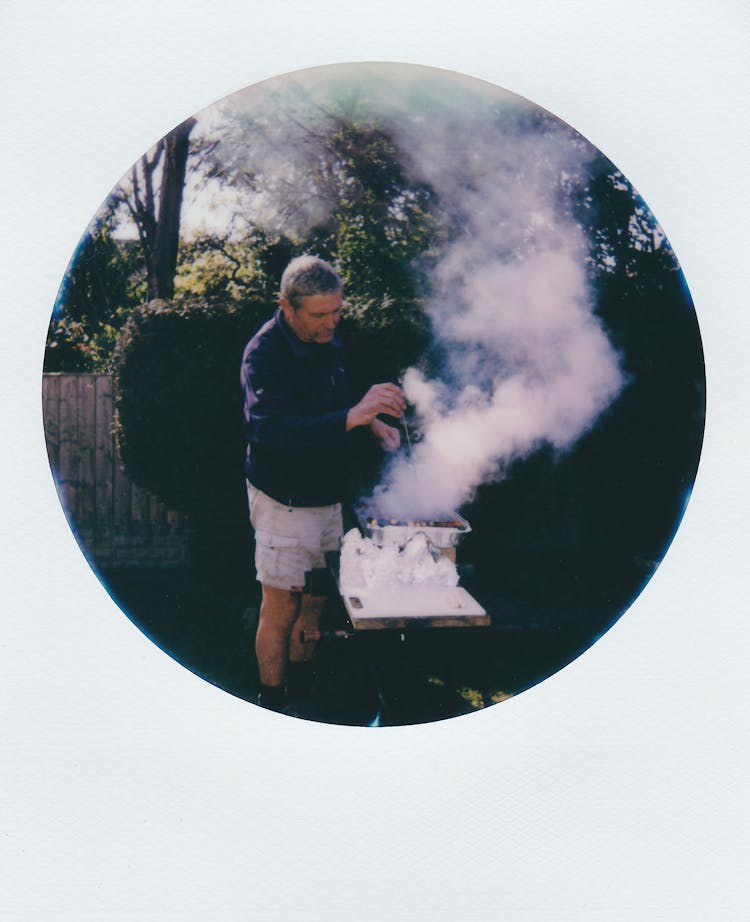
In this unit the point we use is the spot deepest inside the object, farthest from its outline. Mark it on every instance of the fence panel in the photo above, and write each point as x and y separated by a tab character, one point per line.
118	523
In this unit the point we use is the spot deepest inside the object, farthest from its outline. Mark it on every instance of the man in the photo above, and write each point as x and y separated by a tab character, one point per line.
298	413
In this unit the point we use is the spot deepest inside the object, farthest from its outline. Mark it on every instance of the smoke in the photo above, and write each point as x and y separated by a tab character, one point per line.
525	361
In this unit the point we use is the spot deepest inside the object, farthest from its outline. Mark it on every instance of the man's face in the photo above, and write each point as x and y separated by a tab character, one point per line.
317	317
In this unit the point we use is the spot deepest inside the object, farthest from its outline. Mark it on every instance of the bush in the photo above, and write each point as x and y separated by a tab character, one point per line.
178	406
73	346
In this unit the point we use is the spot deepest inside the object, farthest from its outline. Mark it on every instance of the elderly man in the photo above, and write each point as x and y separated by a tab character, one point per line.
298	412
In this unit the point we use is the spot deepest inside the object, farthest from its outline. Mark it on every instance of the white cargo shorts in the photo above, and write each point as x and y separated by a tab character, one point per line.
290	540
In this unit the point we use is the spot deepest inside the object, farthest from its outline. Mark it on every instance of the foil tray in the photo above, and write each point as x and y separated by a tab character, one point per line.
439	536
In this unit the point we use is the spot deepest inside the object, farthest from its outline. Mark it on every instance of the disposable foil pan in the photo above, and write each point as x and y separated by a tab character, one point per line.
383	531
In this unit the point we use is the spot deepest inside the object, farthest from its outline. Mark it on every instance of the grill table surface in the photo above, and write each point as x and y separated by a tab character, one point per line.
412	606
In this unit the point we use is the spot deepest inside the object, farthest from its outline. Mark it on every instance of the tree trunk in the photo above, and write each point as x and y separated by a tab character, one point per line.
167	235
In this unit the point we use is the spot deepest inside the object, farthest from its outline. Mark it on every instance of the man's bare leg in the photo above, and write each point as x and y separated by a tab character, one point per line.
278	612
281	648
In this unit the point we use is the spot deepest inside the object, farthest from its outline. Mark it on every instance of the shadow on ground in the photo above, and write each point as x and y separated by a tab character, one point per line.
376	678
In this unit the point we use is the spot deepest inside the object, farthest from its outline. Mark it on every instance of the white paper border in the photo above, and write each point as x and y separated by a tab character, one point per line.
616	789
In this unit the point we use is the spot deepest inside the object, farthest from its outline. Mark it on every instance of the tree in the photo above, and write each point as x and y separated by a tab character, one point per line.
216	267
621	228
158	220
383	220
106	278
335	181
102	284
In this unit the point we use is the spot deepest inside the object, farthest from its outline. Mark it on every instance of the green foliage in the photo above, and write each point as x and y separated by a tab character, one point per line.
621	229
76	346
214	268
178	414
104	276
337	184
382	219
103	283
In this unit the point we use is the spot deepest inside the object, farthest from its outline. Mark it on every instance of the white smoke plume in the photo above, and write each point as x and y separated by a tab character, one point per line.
538	368
527	362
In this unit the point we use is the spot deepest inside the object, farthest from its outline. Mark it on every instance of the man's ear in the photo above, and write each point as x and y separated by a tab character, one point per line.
286	307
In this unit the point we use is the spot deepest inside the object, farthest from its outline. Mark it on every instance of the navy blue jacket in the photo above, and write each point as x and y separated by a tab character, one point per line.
296	398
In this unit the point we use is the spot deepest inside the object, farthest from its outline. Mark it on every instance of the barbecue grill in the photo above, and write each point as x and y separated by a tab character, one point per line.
401	606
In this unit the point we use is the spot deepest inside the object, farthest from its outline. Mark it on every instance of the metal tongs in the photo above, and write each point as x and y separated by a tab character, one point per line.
406	433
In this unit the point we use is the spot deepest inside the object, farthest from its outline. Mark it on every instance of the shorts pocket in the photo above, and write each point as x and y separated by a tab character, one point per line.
279	560
272	540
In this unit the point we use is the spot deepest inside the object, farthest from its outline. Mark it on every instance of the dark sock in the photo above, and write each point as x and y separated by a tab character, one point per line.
299	679
272	697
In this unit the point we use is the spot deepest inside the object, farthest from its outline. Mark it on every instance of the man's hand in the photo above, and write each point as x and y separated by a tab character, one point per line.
389	438
381	398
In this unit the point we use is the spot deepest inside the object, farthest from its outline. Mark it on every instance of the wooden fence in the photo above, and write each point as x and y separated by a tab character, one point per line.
117	523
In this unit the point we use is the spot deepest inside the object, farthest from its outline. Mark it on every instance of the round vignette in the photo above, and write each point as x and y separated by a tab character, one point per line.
565	416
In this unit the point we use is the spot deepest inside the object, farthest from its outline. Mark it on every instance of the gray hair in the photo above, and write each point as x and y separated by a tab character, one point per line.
308	275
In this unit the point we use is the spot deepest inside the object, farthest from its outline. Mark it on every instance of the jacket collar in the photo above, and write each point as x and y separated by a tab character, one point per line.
299	349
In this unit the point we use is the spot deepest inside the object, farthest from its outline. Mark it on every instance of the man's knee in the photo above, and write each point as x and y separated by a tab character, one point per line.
280	606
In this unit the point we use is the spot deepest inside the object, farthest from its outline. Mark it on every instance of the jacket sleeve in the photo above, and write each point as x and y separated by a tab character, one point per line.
272	416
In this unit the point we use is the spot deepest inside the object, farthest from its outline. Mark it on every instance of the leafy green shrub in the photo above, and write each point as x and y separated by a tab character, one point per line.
73	346
178	407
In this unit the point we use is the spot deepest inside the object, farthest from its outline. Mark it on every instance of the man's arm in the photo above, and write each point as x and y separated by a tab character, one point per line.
272	417
386	399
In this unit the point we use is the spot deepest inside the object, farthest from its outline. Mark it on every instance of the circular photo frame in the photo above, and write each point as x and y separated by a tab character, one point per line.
490	375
